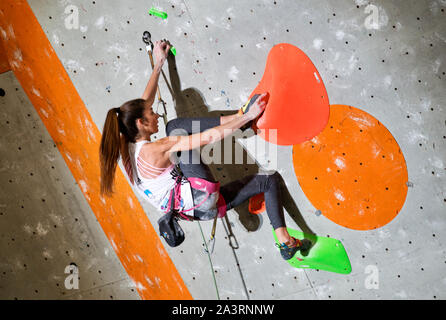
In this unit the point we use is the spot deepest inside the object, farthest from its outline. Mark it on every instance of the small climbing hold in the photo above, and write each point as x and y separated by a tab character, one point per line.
158	13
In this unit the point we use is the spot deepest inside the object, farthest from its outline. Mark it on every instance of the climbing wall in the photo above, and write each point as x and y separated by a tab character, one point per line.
382	60
52	246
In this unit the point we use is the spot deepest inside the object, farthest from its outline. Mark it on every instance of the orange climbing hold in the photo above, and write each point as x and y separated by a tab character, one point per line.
298	105
354	171
257	204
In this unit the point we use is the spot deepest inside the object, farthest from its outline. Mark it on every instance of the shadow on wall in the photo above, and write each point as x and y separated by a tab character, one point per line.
190	102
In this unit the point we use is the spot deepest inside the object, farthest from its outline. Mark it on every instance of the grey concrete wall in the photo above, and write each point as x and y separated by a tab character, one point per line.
395	72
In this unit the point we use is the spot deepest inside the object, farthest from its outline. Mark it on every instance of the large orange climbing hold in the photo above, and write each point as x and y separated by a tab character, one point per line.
298	104
354	171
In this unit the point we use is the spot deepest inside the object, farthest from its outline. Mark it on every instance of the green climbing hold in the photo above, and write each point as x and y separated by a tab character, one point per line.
325	254
173	50
158	13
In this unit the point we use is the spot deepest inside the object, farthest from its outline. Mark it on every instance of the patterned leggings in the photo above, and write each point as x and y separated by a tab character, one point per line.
235	192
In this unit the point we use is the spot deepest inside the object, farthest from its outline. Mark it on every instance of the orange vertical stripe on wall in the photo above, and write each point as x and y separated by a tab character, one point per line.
4	64
45	81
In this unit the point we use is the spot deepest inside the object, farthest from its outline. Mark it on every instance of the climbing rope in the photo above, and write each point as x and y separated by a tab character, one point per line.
235	246
210	260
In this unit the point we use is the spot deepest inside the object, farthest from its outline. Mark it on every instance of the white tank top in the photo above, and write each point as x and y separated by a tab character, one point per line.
157	190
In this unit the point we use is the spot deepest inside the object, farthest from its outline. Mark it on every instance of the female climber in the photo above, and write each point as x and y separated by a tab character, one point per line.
127	134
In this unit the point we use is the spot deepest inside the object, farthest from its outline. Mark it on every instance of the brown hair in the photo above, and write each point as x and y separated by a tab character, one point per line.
118	120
